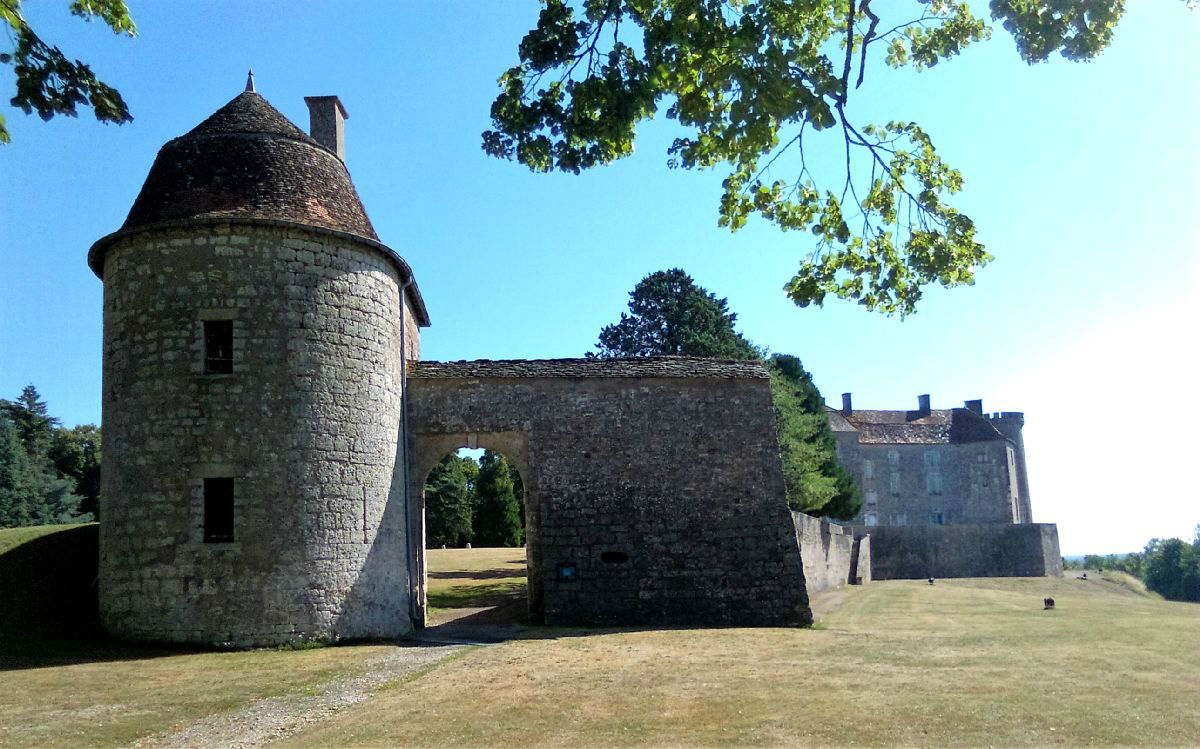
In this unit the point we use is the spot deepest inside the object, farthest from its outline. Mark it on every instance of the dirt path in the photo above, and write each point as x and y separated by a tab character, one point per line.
275	718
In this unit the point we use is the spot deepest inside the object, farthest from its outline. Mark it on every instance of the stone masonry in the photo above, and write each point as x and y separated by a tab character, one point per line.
306	424
655	483
268	426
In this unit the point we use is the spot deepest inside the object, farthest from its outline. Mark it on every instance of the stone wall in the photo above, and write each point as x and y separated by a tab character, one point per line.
832	556
828	551
915	552
976	482
654	489
307	425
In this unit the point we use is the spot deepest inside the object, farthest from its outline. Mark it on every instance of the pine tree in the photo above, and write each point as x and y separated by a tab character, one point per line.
18	480
34	424
497	511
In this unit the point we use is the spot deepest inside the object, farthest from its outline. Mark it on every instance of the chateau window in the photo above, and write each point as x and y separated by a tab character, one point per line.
937	518
899	518
893	457
894	482
871	496
871	519
218	510
868	469
933	482
933	459
218	346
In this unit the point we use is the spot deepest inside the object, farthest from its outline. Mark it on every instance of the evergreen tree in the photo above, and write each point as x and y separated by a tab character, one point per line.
34	424
497	510
449	502
815	482
31	490
18	479
669	315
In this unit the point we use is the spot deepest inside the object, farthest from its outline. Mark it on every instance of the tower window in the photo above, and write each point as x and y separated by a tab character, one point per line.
218	346
218	510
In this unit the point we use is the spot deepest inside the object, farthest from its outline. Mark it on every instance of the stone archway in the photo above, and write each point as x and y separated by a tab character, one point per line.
428	448
655	492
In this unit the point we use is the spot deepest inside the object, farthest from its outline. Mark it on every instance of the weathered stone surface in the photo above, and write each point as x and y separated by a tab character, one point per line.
307	425
665	494
915	552
652	366
831	554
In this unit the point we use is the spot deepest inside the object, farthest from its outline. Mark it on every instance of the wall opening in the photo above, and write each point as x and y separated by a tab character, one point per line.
475	524
218	510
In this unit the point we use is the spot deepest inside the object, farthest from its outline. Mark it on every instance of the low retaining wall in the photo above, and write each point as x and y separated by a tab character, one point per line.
831	554
920	551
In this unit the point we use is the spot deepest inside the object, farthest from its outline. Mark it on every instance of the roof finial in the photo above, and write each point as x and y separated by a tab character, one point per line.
250	81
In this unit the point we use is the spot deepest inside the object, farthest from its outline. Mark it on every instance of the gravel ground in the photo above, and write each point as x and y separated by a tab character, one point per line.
274	718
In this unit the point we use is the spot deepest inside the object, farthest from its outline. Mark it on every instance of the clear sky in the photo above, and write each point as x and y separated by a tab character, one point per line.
1082	178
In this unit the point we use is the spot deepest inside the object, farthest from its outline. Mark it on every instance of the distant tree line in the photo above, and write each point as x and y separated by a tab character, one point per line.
481	504
48	473
670	315
1169	567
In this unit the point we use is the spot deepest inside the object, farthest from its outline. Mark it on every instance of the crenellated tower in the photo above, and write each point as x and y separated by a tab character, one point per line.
1011	424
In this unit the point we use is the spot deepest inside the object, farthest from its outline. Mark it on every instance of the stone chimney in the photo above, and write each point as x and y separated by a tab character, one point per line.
326	123
923	404
846	407
975	406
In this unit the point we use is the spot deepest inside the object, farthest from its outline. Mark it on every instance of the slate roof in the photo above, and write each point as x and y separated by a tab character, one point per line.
657	366
939	426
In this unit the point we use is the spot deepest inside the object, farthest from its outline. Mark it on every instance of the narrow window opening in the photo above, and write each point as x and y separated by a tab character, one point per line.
614	557
218	346
218	510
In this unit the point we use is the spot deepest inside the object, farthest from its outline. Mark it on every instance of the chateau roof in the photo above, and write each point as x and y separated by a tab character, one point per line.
657	366
938	426
247	163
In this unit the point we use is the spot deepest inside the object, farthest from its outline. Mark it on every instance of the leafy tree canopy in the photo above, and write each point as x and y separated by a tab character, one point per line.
51	84
749	82
449	502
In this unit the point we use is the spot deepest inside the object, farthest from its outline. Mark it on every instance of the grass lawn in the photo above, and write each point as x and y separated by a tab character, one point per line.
462	581
64	685
960	663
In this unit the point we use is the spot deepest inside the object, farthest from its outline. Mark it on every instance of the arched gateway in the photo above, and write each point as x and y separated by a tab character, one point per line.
267	423
653	487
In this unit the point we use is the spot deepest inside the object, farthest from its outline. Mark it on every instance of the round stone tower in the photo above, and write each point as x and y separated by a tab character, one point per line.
256	334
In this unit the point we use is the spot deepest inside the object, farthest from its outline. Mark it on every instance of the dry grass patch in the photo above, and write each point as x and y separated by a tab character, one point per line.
142	692
963	662
462	580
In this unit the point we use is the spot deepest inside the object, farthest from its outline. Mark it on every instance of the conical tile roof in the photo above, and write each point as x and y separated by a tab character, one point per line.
248	161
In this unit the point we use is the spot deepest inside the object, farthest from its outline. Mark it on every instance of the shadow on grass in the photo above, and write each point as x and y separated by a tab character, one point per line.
477	575
48	606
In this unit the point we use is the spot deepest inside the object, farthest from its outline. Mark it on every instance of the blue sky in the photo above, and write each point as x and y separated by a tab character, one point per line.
1082	178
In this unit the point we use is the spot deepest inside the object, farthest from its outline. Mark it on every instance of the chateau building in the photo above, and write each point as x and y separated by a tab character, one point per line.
951	466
